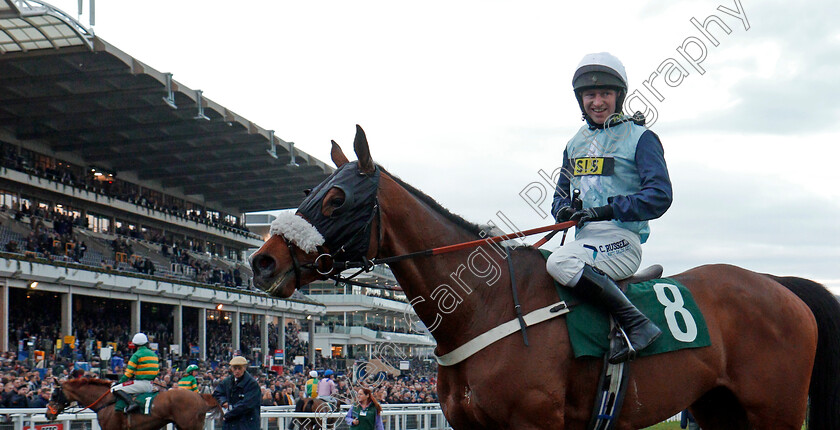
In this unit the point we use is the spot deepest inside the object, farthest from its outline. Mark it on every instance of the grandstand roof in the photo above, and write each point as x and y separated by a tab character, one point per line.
67	88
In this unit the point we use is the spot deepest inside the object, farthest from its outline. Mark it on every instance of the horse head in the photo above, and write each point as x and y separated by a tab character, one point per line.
58	403
332	226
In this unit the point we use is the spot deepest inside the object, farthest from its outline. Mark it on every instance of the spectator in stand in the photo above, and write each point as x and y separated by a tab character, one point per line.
42	399
18	398
8	392
266	399
12	246
283	398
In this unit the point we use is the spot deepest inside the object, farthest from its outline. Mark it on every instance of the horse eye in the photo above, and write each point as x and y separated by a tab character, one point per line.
336	202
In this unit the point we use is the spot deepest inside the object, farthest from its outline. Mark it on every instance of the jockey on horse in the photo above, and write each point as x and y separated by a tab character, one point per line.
619	168
141	370
188	381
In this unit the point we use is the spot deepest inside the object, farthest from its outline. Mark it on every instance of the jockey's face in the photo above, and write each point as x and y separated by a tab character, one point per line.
599	103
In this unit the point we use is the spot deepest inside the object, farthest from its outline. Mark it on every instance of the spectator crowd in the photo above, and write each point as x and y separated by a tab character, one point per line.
61	241
27	387
67	174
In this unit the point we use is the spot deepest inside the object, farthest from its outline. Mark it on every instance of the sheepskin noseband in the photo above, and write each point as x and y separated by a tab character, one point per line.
298	231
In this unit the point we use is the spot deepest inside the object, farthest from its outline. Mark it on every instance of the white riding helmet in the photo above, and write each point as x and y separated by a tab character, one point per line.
313	374
140	339
600	70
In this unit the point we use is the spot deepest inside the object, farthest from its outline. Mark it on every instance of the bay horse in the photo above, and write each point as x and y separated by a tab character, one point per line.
775	342
185	408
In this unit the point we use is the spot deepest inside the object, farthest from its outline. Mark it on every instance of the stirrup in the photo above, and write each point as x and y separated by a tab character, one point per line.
631	352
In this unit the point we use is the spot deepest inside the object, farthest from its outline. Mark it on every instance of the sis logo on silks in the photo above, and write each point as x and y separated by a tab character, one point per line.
593	166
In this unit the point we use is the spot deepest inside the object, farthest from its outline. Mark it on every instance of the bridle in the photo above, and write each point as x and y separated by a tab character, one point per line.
326	264
62	401
329	266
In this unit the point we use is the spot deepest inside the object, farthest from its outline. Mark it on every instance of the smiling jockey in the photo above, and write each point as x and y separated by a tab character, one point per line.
141	370
619	167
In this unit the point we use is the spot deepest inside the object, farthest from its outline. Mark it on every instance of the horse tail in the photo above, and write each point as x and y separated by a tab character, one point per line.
213	406
824	392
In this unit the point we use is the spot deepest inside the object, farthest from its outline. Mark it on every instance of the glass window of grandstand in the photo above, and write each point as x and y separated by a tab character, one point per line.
194	211
125	228
102	181
213	248
232	220
322	287
152	234
153	198
172	204
8	200
99	223
68	211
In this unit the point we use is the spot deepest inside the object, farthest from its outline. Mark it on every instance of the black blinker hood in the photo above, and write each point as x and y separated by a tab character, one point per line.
347	232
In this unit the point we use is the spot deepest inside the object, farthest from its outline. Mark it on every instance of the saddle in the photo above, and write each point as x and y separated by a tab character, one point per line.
646	274
333	403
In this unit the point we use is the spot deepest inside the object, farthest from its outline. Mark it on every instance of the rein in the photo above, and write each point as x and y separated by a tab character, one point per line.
97	401
367	265
81	408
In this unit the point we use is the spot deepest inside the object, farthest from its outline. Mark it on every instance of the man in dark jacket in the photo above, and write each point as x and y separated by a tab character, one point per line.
18	398
41	400
239	395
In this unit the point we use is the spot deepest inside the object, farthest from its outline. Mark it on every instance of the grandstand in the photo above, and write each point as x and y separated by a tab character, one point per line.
122	202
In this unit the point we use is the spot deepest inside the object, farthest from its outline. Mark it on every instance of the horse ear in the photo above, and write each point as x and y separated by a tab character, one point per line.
360	145
337	155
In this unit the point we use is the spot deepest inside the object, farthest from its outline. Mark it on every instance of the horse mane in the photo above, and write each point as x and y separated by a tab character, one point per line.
89	381
472	228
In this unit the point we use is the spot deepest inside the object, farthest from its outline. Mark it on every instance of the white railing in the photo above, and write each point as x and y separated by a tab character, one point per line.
424	416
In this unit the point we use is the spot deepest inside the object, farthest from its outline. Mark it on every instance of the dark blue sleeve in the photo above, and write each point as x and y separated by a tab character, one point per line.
249	402
561	192
656	194
220	393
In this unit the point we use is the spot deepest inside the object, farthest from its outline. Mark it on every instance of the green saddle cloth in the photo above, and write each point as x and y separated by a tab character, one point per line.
665	301
144	400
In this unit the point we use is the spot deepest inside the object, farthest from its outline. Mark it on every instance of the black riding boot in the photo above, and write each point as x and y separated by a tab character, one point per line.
130	406
596	286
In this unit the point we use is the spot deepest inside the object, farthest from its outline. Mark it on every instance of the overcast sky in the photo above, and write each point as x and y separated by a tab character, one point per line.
469	100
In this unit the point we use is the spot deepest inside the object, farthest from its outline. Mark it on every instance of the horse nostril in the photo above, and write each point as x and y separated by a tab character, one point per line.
263	264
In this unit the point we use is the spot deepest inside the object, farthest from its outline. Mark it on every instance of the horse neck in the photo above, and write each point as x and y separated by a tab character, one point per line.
85	395
446	295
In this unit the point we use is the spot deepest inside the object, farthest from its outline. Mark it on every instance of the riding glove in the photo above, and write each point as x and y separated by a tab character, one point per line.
600	213
564	214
